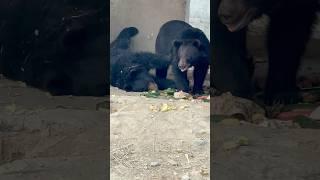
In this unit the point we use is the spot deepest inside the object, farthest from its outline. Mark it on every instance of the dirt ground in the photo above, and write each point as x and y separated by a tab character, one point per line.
150	144
272	154
45	137
272	149
50	138
175	144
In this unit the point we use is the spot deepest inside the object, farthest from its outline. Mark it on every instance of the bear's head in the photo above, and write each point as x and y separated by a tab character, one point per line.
138	79
188	53
237	14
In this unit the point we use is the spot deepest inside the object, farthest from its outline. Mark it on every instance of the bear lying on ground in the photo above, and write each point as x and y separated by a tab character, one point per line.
130	70
186	47
288	32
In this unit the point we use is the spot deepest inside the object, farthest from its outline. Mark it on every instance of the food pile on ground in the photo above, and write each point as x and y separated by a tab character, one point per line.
174	95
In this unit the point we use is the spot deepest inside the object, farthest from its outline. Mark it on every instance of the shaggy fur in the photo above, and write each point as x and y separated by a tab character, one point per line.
130	70
288	32
186	46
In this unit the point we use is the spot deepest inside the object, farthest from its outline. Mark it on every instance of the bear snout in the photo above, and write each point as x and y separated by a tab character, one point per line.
183	66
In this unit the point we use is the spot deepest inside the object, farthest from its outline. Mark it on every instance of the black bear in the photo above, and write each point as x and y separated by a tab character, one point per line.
57	46
130	70
288	32
186	47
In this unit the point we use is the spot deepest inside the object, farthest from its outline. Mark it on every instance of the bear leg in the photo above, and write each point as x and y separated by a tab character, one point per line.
286	44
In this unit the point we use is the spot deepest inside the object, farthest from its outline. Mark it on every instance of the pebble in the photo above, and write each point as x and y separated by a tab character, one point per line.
172	162
180	95
179	150
204	172
185	177
154	164
199	142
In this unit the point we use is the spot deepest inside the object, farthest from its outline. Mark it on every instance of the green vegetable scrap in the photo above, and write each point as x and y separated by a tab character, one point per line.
169	92
155	94
151	94
173	94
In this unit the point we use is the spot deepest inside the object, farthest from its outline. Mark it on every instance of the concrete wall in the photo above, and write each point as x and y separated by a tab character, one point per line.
147	16
199	15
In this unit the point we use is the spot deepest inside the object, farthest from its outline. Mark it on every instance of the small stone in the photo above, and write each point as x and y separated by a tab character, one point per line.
179	150
180	95
204	172
172	162
154	108
185	177
154	164
199	142
183	107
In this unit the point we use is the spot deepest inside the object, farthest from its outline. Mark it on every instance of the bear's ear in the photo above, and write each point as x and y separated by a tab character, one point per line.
196	43
177	43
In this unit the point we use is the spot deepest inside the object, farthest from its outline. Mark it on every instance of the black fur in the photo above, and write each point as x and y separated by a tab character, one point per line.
57	46
186	46
130	70
123	41
288	32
